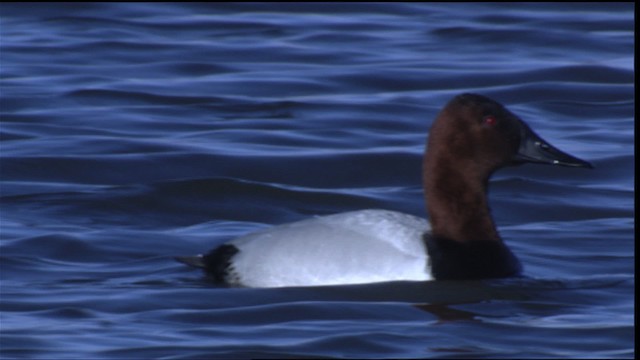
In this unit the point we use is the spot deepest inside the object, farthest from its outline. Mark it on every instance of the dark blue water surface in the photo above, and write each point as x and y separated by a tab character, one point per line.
131	133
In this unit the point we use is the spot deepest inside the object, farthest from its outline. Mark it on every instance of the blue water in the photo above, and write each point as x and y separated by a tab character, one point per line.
131	133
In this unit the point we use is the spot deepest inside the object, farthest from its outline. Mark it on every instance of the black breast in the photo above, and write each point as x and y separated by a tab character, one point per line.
482	259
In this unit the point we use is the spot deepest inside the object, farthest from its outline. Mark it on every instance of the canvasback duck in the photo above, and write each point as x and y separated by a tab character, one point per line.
471	137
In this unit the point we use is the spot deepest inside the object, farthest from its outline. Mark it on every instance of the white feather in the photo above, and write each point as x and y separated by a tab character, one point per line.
348	248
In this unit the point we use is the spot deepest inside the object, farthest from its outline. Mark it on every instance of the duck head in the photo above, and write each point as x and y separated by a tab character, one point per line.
472	137
474	129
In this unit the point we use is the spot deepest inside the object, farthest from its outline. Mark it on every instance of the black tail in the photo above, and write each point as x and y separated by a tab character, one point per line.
216	263
193	261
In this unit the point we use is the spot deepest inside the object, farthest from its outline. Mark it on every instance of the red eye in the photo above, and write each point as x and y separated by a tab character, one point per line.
490	120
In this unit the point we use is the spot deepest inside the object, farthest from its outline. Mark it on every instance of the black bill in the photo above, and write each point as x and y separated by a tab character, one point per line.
534	149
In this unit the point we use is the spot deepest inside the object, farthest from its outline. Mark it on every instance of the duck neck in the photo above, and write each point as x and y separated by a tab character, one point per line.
457	202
